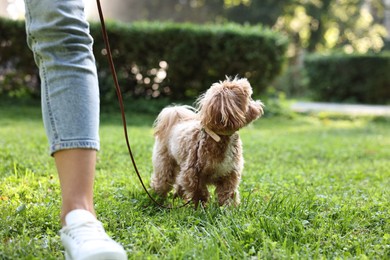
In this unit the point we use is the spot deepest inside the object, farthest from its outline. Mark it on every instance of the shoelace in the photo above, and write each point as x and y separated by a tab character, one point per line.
85	231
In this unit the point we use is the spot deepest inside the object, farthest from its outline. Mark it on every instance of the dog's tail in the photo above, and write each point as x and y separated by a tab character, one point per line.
170	116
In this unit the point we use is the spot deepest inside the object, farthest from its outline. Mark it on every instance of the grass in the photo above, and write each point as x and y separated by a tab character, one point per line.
313	187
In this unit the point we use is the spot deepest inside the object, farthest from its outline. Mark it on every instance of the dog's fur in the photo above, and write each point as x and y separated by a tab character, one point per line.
187	157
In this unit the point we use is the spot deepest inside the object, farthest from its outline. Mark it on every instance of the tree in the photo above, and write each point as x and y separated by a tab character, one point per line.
347	25
386	20
265	12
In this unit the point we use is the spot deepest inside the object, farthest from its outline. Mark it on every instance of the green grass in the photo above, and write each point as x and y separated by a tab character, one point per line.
313	187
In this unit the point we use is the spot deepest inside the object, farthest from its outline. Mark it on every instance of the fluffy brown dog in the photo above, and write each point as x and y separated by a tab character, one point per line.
199	147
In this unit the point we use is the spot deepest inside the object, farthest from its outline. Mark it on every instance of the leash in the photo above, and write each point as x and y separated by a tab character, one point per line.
120	99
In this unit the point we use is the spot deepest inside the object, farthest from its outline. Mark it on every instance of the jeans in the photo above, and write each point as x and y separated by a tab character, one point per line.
58	35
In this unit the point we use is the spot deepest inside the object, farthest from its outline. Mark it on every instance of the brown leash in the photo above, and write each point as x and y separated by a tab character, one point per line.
120	99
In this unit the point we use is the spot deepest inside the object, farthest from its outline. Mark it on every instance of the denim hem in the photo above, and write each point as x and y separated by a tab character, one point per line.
64	145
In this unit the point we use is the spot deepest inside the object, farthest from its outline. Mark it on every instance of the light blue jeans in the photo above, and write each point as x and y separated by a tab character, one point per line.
58	35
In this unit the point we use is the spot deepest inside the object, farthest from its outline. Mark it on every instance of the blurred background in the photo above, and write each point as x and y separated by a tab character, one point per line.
312	25
328	27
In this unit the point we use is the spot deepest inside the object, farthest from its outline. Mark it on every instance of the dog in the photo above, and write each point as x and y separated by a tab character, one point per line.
197	147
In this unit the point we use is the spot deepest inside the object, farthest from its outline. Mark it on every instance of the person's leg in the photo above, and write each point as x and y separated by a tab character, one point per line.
76	168
58	35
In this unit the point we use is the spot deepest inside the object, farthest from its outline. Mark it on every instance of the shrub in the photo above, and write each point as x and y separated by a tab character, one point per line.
178	61
349	78
18	73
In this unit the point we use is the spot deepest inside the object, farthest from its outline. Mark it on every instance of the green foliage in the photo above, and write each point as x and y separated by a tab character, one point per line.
183	60
351	25
276	104
18	73
264	12
352	78
312	188
153	60
315	25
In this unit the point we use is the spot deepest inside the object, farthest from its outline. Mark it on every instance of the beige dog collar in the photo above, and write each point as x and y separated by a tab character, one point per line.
212	134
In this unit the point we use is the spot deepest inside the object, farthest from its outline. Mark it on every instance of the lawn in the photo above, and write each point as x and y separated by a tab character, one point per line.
313	187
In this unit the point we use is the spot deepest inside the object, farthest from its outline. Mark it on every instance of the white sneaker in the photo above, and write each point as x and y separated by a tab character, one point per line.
84	238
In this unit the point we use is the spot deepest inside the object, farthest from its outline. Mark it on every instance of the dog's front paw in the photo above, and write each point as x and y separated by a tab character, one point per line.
229	199
179	192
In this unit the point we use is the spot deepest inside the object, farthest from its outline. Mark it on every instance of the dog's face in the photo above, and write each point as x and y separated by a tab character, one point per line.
227	106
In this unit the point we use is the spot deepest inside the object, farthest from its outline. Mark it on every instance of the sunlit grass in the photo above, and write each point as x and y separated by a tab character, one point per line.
312	188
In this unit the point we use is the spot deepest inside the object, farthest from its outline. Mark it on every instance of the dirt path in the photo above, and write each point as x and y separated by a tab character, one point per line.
374	110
